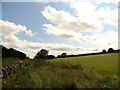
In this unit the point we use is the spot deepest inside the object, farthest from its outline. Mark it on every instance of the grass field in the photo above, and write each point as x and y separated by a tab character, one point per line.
107	63
97	71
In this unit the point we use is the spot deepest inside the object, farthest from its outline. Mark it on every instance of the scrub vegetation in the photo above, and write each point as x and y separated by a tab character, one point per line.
93	71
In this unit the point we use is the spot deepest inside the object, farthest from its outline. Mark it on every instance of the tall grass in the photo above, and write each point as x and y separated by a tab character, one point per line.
12	60
41	74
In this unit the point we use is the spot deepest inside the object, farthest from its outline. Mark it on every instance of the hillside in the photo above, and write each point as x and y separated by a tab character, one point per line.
107	63
92	60
93	71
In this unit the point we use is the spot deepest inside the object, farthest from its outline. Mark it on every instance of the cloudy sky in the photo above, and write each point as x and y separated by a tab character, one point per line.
79	26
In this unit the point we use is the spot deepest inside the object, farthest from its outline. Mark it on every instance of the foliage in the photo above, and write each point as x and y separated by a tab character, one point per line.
50	56
42	54
63	55
104	51
110	50
58	56
12	53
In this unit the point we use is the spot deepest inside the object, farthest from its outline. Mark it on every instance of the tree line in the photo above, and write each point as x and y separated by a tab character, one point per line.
43	53
11	53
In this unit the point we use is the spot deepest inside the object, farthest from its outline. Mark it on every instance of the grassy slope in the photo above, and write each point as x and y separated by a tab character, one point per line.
105	63
97	71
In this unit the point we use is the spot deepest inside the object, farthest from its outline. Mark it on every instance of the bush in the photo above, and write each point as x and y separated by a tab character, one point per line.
110	50
50	56
104	51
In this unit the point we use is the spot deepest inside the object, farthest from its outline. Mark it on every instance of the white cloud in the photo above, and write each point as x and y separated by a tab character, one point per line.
99	40
89	18
112	18
107	1
53	30
104	39
31	48
41	1
57	48
9	29
88	12
67	21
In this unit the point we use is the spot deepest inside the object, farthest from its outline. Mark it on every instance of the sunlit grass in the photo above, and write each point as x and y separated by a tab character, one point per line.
97	71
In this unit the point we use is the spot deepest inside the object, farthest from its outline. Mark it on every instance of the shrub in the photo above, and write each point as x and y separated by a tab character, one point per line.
110	50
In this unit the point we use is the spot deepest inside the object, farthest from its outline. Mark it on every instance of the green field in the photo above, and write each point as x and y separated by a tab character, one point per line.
108	63
94	71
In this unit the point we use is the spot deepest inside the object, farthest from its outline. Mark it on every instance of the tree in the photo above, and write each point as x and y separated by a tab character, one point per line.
42	54
50	56
110	50
103	51
58	56
63	55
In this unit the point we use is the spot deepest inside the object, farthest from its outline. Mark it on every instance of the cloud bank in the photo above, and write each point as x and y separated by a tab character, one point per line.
10	30
86	27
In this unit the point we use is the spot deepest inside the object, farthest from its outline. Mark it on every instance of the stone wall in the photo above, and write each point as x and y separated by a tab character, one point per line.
9	70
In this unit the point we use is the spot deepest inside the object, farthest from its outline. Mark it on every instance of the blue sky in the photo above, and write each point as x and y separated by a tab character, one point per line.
60	26
29	14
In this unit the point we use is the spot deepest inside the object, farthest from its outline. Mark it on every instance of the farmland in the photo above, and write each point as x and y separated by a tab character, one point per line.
107	62
94	71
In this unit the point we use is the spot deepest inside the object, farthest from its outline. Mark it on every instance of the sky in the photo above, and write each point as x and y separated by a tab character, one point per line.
76	27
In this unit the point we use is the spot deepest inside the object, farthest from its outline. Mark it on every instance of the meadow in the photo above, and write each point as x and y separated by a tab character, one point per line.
94	71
